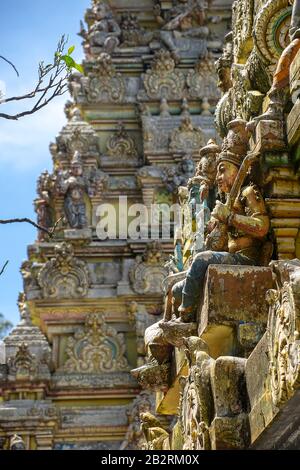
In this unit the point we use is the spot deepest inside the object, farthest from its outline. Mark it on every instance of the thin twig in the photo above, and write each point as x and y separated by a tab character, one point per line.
3	269
50	232
55	83
10	63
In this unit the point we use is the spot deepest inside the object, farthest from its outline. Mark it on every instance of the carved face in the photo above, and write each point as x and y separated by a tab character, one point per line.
77	169
226	175
101	11
188	166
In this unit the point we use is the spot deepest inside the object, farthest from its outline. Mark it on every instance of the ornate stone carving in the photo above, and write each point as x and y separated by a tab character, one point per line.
183	28
103	33
202	82
132	35
141	319
105	83
134	438
196	401
242	20
179	175
156	437
121	144
153	376
27	349
24	364
163	80
271	30
64	276
77	135
187	138
148	272
74	188
283	339
96	348
42	204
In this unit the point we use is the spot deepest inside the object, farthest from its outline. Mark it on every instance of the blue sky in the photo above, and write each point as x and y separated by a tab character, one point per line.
29	32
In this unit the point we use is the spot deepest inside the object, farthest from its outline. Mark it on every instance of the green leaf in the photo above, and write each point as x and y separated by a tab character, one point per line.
70	50
69	61
79	68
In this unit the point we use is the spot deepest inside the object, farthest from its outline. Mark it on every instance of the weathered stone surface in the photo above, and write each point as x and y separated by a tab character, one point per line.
270	136
293	124
230	433
229	291
229	386
228	303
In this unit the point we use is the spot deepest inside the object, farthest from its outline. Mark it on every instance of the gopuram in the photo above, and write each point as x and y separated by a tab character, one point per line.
225	359
138	117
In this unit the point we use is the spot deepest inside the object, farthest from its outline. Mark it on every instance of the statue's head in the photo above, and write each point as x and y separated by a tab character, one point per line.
76	164
226	174
102	11
16	443
188	165
223	65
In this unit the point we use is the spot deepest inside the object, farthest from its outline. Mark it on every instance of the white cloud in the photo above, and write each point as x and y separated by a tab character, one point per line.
24	143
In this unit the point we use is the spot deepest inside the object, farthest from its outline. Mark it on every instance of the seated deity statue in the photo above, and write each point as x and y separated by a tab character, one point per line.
105	32
246	228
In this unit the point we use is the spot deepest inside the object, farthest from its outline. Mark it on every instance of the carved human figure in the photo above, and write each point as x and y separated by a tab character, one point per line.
247	226
207	168
186	19
132	33
105	32
157	438
183	172
74	188
42	204
224	63
202	191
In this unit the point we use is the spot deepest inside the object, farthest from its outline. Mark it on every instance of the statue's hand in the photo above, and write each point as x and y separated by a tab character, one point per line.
221	212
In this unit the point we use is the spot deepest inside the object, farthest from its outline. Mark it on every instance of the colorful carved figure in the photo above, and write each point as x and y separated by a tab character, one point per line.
239	230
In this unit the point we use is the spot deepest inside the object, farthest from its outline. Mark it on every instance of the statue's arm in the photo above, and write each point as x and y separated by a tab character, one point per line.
257	224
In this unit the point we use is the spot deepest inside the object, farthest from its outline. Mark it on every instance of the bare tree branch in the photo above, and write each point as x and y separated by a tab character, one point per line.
56	75
10	63
3	268
50	231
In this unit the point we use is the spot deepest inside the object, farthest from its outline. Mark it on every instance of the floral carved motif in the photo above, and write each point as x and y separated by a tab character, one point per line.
271	30
148	271
64	276
105	84
283	343
187	138
96	348
162	80
202	82
121	144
